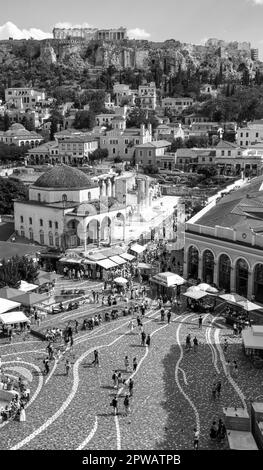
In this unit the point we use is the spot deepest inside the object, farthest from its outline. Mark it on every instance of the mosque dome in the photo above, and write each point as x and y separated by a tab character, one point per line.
64	177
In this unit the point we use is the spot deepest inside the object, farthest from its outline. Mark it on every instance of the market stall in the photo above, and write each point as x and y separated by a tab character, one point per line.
9	293
11	320
27	287
166	284
6	305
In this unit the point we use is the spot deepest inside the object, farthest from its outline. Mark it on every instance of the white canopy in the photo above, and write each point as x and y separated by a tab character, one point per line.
6	304
249	306
144	266
232	298
138	248
120	280
117	259
168	279
107	263
26	286
127	256
13	317
207	288
196	295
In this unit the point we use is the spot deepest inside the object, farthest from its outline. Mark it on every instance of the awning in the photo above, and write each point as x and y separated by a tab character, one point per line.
252	341
249	306
6	305
138	248
70	260
13	317
9	293
196	295
117	259
127	256
168	279
144	266
89	261
31	298
107	264
26	286
233	298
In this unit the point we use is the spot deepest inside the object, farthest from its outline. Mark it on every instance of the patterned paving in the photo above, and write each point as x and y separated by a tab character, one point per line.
172	387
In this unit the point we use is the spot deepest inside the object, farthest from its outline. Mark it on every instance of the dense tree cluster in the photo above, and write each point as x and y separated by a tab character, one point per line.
12	153
15	269
11	189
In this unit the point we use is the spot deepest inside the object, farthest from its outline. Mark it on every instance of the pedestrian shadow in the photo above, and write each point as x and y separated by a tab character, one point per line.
136	346
60	374
107	387
88	366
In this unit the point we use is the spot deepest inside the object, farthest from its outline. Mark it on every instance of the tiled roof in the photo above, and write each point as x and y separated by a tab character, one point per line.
240	208
155	144
223	144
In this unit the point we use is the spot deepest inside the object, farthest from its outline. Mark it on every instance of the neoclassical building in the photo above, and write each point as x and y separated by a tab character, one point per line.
225	245
66	209
20	136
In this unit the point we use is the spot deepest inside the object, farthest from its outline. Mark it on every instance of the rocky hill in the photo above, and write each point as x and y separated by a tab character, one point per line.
169	55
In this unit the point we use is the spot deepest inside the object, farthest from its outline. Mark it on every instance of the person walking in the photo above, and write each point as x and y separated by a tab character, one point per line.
135	364
213	431
76	326
114	403
120	379
214	390
115	379
131	386
195	342
162	314
225	346
126	403
46	365
22	416
96	358
200	322
218	388
169	316
196	439
67	367
131	325
188	342
126	363
148	340
143	337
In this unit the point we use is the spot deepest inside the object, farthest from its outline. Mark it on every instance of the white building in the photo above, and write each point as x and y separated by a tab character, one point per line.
121	141
23	98
251	134
147	96
177	105
18	135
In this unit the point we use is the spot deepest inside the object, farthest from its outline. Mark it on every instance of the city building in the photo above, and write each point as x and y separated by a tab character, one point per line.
152	153
20	136
123	94
177	105
23	98
170	130
232	160
224	245
121	141
254	54
251	134
147	96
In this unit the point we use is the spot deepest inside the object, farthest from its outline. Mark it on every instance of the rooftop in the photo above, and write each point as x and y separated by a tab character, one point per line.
155	144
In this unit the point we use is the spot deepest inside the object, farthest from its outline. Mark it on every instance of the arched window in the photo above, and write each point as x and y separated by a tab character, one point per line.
258	283
89	196
64	198
22	231
193	262
241	277
31	234
224	272
57	239
39	197
50	239
41	237
208	267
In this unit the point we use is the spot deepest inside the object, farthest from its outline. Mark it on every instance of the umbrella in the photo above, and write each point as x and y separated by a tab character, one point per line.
233	298
168	279
120	280
207	288
144	266
249	306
